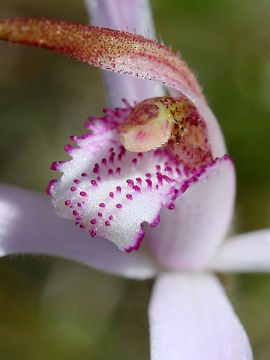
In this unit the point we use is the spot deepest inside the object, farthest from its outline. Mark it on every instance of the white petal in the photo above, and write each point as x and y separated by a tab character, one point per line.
188	236
28	224
132	16
191	319
244	253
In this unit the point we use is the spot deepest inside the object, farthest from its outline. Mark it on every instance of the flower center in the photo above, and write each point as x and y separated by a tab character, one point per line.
170	122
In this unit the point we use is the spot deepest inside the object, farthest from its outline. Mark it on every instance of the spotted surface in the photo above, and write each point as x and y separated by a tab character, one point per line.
111	192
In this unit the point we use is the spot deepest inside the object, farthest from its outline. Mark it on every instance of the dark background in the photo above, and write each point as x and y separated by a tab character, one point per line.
58	310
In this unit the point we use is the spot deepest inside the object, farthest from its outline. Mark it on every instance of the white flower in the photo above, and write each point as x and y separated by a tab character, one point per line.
117	194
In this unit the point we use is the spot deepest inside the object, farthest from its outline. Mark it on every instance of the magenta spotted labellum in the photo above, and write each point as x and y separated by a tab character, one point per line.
105	185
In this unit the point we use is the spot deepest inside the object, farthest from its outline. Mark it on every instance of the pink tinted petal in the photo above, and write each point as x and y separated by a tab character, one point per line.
109	191
192	319
244	253
133	16
188	236
28	225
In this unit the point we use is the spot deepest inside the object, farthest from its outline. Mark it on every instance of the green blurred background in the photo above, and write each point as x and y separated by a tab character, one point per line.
51	309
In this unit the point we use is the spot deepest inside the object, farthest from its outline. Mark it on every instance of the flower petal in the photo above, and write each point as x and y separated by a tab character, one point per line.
134	16
28	225
188	236
244	253
109	191
191	319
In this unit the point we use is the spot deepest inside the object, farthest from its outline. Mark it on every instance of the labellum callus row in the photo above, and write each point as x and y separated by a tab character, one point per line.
170	122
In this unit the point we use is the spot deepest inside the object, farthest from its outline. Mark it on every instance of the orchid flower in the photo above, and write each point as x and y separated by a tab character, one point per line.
150	185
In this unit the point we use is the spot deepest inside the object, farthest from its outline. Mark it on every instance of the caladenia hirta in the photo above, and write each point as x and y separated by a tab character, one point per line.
139	158
151	176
